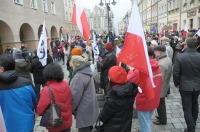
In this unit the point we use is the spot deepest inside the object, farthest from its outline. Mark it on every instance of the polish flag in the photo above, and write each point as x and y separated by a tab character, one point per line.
185	31
79	18
134	53
2	123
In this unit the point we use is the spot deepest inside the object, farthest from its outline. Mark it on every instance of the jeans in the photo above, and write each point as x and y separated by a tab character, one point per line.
190	108
162	114
37	89
144	119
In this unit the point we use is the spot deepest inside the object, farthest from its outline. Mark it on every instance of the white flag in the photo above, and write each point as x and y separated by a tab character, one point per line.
95	49
61	37
198	32
69	37
42	46
2	123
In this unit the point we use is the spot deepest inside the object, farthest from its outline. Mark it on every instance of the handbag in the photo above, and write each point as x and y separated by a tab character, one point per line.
96	77
98	127
52	115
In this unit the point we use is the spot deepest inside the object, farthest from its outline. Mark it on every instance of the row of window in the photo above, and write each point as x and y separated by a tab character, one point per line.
34	5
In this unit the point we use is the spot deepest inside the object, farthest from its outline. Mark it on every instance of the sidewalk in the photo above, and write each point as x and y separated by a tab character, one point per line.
175	117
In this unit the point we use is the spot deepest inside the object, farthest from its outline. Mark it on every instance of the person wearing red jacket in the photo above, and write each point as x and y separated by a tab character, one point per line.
62	94
144	107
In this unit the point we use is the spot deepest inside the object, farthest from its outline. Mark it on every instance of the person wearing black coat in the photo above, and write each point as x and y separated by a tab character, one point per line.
186	76
108	61
37	69
117	112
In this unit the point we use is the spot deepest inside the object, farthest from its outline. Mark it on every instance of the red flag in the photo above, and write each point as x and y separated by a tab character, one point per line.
185	31
79	18
134	53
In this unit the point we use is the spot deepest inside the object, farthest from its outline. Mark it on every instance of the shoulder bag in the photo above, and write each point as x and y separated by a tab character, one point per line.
52	115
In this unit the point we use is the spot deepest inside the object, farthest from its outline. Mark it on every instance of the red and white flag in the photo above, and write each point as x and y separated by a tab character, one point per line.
185	31
79	18
134	53
2	123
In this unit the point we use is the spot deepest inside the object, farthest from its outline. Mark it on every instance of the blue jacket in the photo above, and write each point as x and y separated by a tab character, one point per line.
18	101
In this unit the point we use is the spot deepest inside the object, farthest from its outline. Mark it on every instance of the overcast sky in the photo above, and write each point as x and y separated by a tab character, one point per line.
119	9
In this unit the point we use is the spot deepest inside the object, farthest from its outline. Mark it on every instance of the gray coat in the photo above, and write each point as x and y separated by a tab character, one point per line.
84	100
169	50
165	64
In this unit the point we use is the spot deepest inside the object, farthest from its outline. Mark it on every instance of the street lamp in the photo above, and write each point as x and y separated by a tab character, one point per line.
108	8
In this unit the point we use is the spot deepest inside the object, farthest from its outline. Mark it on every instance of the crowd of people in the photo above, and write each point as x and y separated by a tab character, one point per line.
22	98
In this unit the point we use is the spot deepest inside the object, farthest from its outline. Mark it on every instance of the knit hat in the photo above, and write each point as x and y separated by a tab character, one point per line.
109	47
78	60
117	75
153	42
160	48
166	39
17	54
76	51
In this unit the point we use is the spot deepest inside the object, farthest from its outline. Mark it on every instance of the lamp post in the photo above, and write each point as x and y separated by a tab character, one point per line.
107	4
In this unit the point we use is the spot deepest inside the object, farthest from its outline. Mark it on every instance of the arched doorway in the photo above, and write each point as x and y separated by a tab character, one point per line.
62	34
6	35
26	32
40	30
54	33
26	35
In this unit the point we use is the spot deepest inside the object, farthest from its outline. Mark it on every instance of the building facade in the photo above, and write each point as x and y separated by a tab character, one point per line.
98	20
170	15
21	21
190	14
70	28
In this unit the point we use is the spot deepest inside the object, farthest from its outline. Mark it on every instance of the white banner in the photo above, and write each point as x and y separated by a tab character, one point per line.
95	49
42	46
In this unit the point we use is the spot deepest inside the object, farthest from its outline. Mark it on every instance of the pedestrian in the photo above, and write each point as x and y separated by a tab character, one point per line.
117	111
37	69
186	75
169	51
22	66
165	64
17	98
106	63
145	108
153	44
8	50
74	51
60	89
84	101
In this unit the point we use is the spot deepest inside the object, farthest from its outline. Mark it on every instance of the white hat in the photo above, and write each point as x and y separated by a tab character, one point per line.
154	42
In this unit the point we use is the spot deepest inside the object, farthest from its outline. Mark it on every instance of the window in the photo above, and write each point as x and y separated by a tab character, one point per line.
34	4
53	7
165	8
44	6
162	10
67	16
20	2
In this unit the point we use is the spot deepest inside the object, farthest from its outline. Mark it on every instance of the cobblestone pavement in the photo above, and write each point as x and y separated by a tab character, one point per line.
175	118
